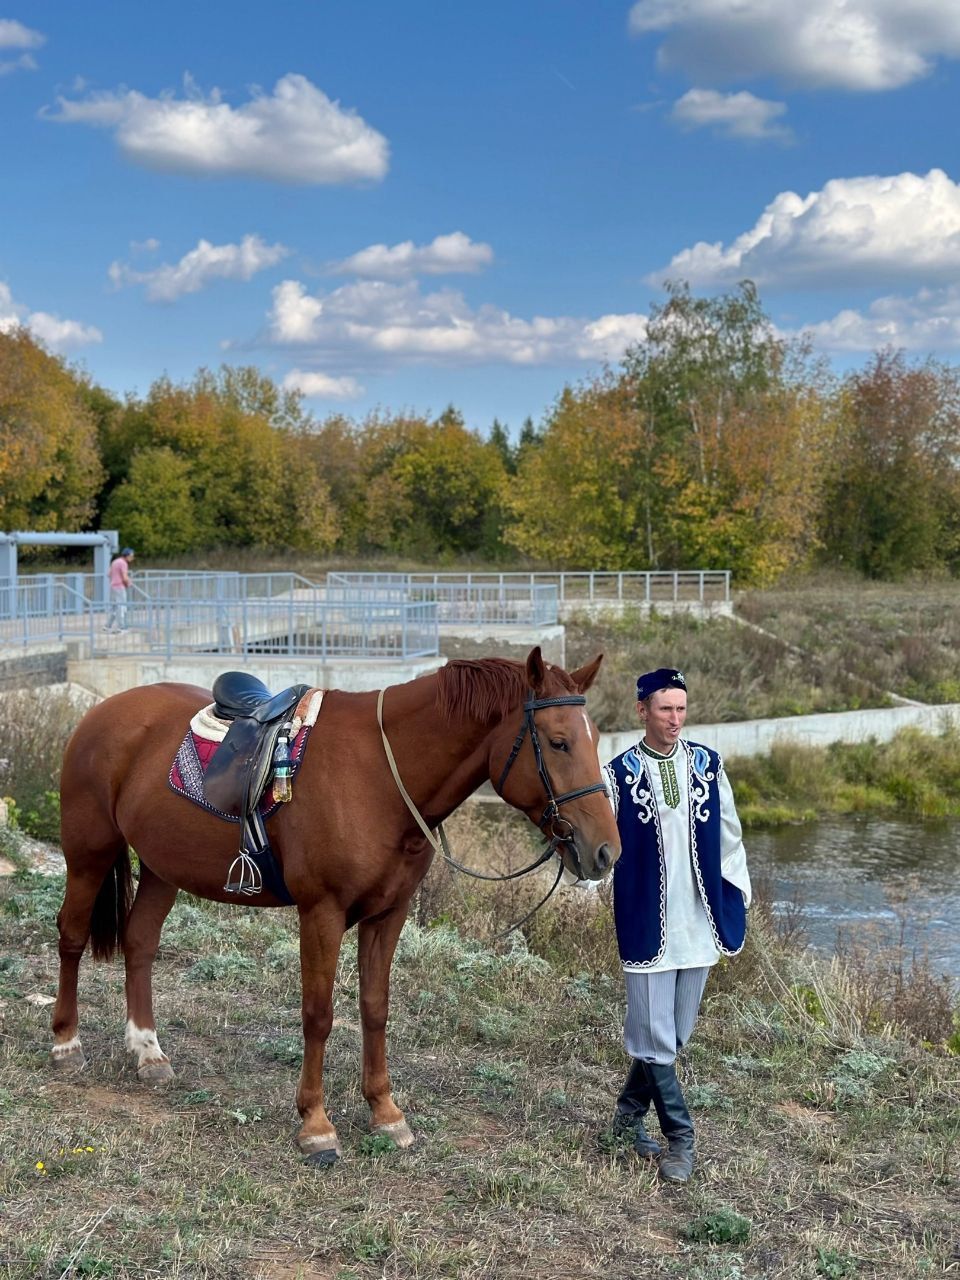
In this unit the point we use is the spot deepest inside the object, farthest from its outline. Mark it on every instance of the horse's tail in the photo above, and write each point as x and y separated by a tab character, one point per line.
108	925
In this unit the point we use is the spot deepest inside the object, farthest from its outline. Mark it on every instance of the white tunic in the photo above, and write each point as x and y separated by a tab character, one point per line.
690	942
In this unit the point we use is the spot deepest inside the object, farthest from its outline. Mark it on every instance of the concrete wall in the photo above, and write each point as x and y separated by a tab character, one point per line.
597	608
756	737
31	666
106	677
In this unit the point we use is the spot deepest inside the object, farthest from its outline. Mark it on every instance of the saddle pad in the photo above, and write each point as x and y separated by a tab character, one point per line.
203	738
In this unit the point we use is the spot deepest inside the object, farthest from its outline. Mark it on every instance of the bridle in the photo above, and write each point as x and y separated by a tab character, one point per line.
550	817
551	814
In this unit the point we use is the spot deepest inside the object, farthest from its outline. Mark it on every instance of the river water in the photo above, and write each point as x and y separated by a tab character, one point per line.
867	879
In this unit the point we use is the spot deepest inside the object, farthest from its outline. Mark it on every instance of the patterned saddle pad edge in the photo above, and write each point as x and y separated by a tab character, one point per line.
205	734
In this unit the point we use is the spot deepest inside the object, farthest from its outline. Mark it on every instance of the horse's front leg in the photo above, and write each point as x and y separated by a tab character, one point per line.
321	932
376	943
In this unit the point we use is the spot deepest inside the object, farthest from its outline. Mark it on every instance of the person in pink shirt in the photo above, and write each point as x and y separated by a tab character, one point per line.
119	583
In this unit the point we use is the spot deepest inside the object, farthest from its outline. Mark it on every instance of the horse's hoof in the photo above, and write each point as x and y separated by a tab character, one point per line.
320	1149
159	1072
400	1132
323	1159
69	1062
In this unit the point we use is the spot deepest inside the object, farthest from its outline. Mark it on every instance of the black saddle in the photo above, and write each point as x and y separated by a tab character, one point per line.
238	695
237	775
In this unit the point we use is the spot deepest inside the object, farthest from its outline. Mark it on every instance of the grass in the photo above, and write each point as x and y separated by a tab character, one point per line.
827	1142
914	774
903	637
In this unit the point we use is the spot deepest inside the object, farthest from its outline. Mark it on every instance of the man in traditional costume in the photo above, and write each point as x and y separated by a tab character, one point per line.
680	893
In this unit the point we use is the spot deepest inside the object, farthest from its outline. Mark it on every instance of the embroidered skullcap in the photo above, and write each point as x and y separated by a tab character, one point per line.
662	678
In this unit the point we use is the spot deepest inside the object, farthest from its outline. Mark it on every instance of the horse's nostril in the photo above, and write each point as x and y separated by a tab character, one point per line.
603	860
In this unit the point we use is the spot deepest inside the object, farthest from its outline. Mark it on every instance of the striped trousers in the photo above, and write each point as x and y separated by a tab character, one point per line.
662	1010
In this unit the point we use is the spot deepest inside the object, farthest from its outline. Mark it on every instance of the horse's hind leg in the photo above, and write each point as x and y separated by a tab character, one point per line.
95	878
150	908
376	943
321	932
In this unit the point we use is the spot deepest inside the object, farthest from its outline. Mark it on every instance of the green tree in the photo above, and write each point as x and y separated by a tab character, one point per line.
239	440
435	489
154	507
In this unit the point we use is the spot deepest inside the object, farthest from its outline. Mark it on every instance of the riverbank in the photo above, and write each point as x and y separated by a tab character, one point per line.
914	774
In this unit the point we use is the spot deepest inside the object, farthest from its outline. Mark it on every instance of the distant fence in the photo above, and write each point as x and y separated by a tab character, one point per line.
593	587
458	599
279	614
352	614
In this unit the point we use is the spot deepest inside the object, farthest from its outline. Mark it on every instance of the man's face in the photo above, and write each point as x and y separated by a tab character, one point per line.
663	716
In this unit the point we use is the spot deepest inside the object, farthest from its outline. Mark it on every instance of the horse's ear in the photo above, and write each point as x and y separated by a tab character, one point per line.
536	671
584	677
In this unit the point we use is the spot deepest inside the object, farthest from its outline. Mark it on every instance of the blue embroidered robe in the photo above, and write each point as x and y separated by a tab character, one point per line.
639	876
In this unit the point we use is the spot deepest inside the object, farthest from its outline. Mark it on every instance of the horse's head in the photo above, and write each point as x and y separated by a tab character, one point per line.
548	766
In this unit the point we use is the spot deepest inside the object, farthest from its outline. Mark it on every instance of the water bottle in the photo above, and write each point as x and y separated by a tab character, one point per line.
282	768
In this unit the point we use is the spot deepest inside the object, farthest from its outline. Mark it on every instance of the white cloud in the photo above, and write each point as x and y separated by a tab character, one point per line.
296	134
846	44
24	63
196	269
59	335
397	323
736	115
14	35
872	231
322	386
444	255
927	321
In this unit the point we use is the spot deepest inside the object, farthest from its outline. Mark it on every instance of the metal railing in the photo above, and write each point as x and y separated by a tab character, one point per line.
41	610
281	626
457	600
590	586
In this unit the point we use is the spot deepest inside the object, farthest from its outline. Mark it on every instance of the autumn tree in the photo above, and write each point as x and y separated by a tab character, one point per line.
574	500
893	497
49	466
432	488
237	439
732	425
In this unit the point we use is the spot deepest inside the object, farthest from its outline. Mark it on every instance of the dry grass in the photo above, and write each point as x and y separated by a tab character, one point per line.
826	1149
733	672
904	637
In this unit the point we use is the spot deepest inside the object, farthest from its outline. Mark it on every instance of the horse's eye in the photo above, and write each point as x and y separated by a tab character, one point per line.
558	744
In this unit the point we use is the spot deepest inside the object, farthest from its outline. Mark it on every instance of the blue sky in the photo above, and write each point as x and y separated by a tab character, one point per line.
400	204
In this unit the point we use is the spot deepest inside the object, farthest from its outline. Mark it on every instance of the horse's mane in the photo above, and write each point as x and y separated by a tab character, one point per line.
485	689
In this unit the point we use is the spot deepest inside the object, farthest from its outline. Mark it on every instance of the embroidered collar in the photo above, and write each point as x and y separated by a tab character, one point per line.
658	755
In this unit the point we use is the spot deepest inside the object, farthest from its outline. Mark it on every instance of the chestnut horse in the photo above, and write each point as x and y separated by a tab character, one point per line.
351	849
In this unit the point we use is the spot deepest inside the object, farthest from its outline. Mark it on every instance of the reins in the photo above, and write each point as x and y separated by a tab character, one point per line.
551	813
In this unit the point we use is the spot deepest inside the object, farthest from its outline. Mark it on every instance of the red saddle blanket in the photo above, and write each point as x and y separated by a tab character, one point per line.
203	739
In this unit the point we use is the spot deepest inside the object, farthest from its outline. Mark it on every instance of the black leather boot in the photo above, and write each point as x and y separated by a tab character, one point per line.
676	1163
632	1107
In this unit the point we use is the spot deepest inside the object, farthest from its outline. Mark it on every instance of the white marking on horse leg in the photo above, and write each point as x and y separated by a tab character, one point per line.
67	1055
152	1062
64	1048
